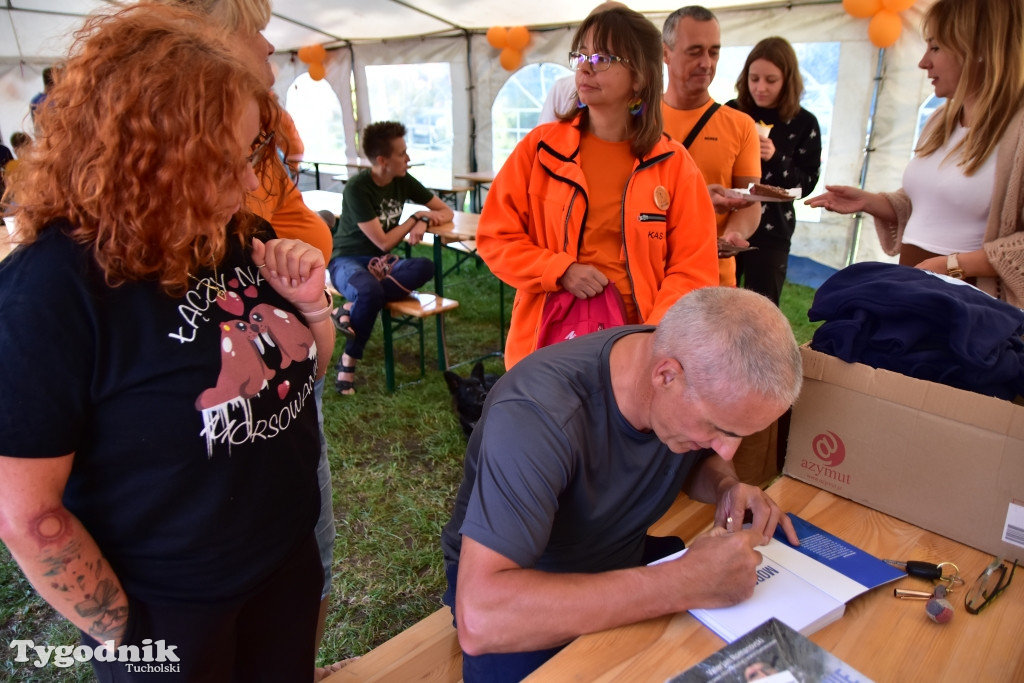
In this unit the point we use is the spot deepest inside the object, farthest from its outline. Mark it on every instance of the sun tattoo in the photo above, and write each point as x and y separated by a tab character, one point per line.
51	526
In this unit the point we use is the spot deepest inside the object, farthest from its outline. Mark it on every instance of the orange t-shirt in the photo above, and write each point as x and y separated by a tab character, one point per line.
606	167
726	147
289	141
279	202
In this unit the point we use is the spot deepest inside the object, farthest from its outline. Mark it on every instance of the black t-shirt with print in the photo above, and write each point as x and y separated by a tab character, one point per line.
192	419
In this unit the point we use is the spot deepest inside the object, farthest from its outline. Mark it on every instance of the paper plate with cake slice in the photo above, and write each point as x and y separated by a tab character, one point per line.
759	192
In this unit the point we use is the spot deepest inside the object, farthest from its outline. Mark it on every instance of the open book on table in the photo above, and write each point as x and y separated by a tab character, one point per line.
806	586
771	653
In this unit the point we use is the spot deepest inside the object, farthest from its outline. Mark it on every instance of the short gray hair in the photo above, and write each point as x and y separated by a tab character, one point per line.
695	12
732	343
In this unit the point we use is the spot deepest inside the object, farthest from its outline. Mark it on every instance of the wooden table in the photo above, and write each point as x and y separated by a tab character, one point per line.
885	638
317	164
323	200
478	180
461	230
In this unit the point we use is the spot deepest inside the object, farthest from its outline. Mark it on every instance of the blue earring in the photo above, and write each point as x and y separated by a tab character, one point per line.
636	106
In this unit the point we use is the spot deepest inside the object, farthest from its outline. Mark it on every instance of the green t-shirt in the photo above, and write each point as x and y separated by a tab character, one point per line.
363	201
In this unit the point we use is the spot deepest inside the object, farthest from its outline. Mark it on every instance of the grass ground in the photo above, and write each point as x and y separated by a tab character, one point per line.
396	461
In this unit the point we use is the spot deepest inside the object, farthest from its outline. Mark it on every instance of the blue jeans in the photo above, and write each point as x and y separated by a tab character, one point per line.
325	525
368	294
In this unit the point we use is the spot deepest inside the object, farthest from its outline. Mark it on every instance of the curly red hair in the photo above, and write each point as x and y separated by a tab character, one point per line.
135	143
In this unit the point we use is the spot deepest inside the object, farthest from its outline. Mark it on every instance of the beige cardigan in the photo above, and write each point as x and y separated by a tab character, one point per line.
1004	234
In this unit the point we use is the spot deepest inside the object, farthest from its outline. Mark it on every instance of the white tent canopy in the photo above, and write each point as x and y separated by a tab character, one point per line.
358	33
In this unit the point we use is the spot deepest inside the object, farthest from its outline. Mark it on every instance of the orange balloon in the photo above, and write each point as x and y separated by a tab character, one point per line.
510	59
884	29
898	5
304	55
497	36
862	9
317	53
317	71
518	37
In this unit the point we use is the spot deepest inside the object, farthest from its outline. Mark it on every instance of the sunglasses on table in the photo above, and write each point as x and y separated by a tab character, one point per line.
989	585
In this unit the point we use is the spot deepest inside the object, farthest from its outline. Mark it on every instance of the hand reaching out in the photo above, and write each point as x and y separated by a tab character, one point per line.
724	203
841	199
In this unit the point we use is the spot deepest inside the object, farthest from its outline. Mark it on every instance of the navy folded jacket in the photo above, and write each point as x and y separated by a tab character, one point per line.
915	323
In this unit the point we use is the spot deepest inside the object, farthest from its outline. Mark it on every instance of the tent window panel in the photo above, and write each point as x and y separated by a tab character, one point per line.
517	107
315	108
923	113
420	96
819	67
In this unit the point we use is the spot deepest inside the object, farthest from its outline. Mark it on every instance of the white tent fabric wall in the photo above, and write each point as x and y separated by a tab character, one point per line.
904	88
337	72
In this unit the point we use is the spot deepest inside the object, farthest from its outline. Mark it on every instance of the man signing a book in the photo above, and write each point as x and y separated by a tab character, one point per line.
582	446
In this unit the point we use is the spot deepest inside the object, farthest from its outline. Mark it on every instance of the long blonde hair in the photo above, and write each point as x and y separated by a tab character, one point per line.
987	36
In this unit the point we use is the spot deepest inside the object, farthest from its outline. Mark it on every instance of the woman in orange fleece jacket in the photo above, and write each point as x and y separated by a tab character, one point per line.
601	197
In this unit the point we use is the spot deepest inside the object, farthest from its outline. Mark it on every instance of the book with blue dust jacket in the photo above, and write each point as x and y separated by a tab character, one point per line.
805	586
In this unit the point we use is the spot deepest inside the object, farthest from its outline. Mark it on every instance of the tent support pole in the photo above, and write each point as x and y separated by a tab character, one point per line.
472	101
869	147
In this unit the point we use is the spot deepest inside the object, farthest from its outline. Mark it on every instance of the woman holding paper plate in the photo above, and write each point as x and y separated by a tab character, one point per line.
960	211
769	90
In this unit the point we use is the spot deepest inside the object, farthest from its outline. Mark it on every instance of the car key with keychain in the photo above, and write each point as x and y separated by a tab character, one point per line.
938	608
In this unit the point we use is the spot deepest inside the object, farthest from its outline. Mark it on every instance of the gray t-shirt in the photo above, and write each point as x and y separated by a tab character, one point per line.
555	477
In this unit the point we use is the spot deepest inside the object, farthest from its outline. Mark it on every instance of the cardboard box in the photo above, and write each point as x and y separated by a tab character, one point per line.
944	459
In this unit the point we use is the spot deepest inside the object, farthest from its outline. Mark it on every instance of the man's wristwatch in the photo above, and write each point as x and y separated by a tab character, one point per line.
953	268
425	219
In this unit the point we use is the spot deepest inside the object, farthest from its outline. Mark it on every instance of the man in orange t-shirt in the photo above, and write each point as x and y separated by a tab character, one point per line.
726	149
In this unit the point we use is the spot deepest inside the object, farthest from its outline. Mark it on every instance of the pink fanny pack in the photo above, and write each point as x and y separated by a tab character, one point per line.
566	317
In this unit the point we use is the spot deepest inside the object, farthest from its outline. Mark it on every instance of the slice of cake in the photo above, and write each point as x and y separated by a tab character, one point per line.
770	191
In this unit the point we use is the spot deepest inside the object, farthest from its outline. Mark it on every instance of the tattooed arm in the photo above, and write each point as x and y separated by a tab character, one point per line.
57	554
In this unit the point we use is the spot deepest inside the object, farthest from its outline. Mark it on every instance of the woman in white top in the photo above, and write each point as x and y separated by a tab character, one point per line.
961	209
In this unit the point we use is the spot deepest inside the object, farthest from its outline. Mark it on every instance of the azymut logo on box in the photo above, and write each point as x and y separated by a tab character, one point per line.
830	451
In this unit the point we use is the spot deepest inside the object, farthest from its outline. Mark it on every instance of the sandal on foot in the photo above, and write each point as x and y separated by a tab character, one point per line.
343	385
341	319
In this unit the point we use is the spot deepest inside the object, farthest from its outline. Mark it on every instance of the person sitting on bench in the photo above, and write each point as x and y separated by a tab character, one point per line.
371	225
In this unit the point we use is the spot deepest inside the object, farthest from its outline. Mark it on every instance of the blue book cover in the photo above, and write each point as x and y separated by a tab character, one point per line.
837	554
806	586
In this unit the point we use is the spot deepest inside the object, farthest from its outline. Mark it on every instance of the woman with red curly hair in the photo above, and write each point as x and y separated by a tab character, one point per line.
158	351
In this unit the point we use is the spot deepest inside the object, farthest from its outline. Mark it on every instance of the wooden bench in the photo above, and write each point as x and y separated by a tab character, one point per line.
426	651
410	312
449	194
